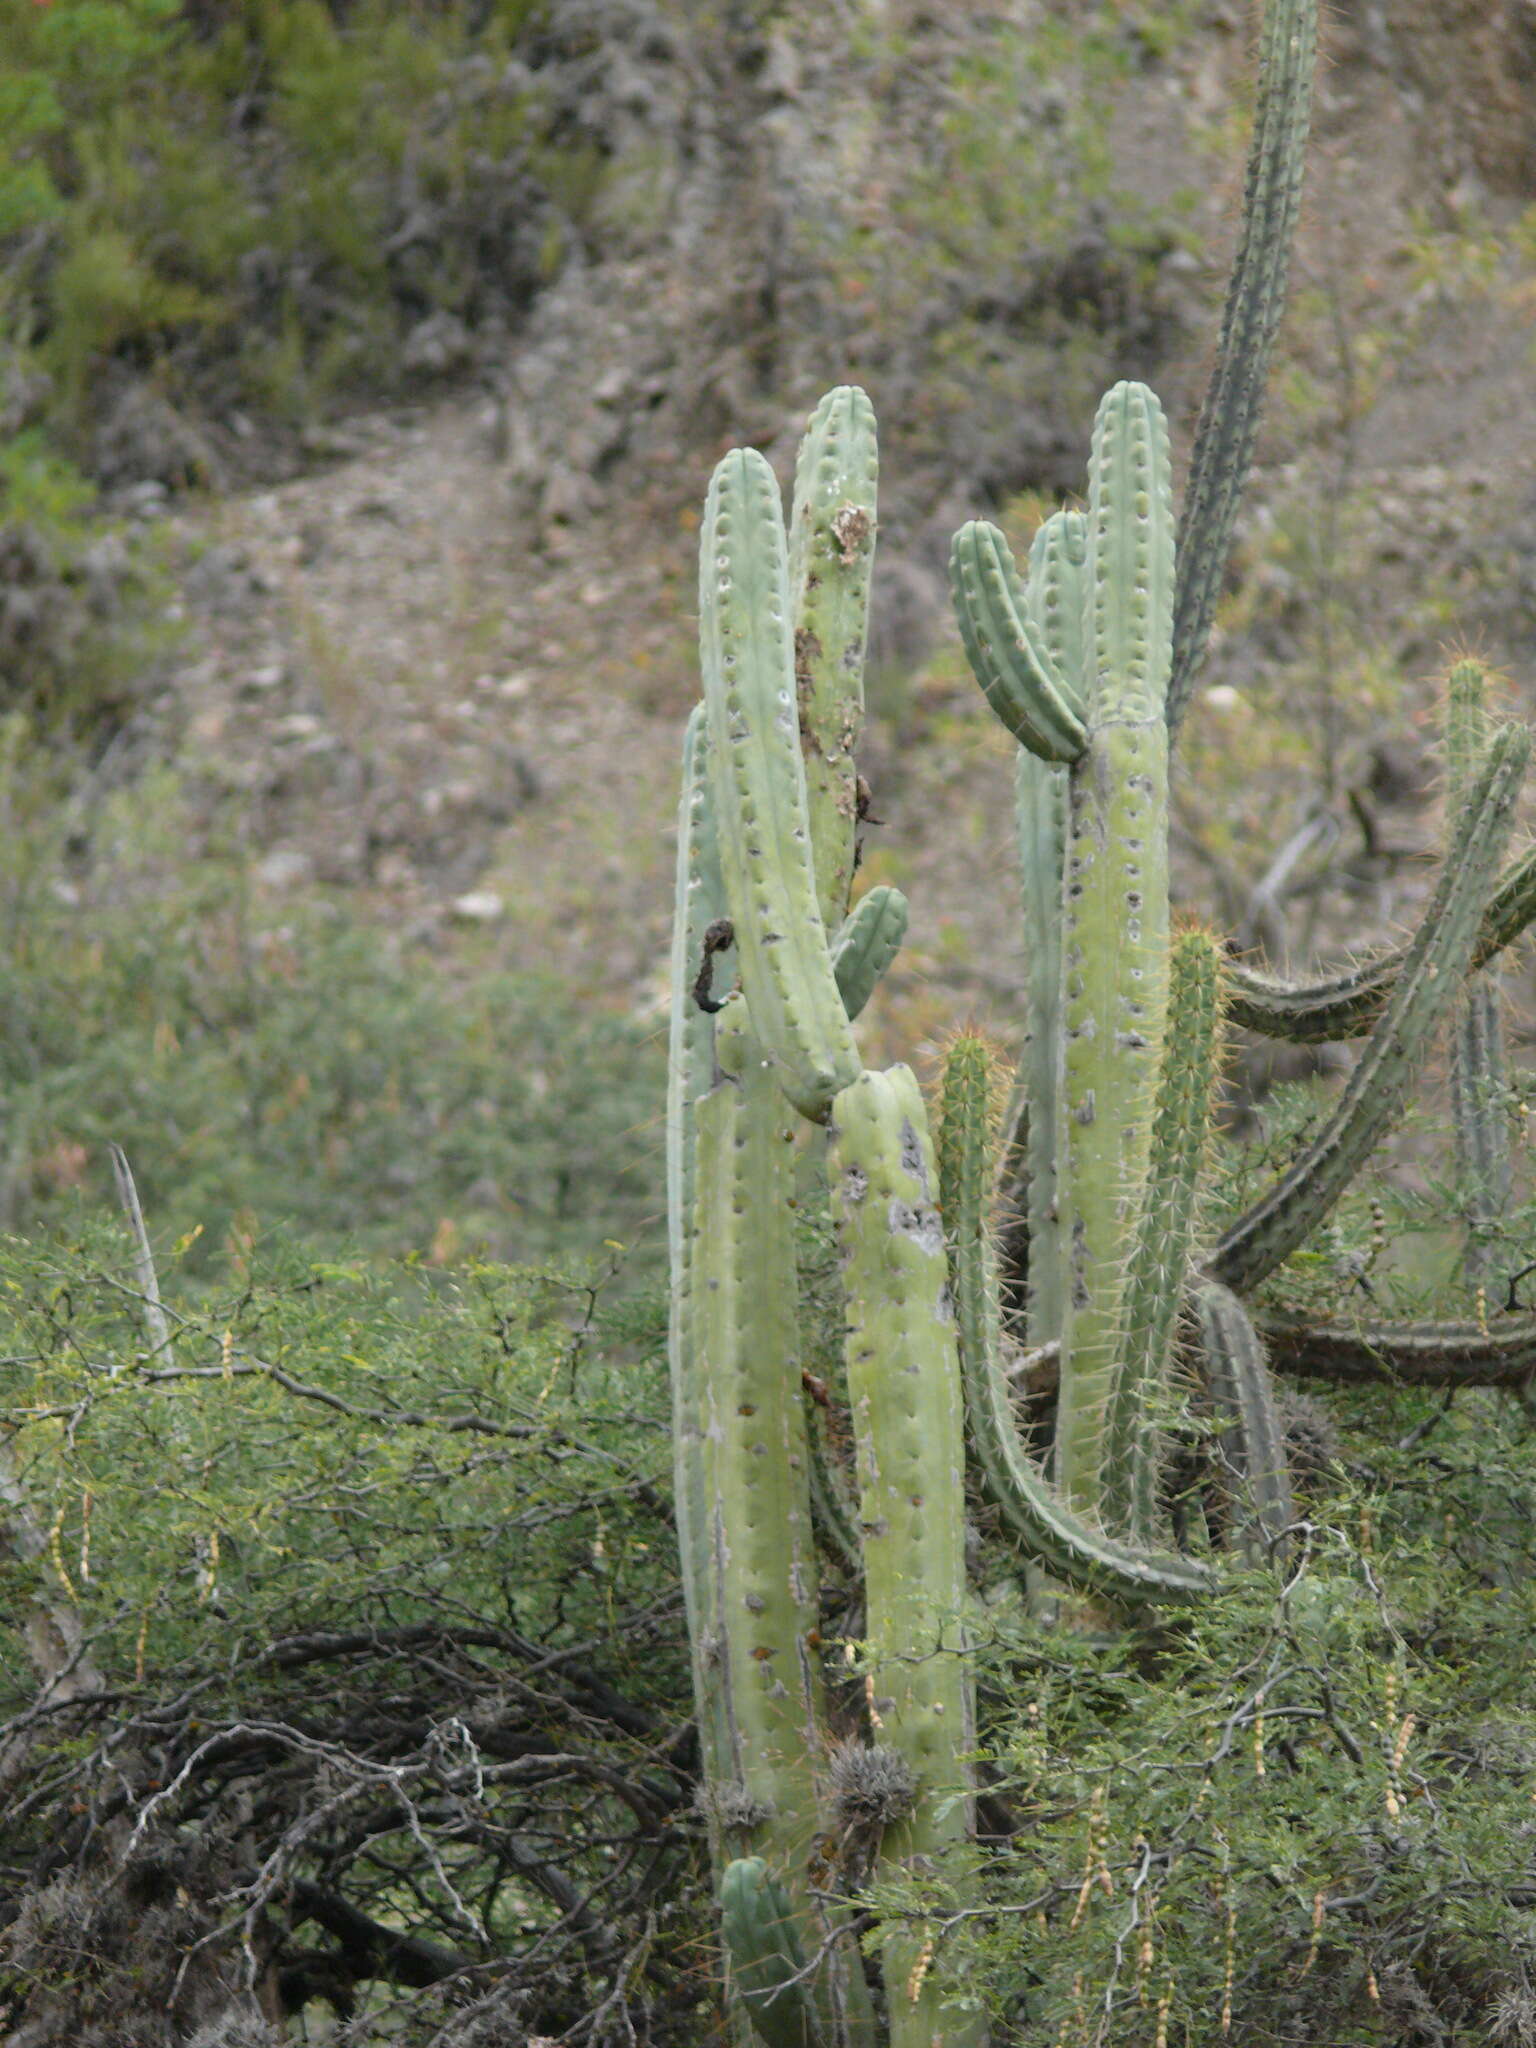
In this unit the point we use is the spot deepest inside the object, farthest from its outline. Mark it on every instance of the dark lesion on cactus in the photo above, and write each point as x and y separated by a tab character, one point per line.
807	652
851	528
719	937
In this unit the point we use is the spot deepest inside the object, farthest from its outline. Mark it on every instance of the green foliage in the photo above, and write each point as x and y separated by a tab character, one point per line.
379	1561
1307	1807
81	603
261	1072
324	1443
281	185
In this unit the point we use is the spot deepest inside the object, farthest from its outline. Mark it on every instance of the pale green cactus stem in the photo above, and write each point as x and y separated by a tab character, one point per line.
1160	1257
761	1592
1479	1072
1036	1516
831	555
1057	598
867	942
1229	417
904	1392
768	1967
1115	939
756	1651
1426	984
699	902
759	786
1039	703
1252	1441
1347	1005
1040	811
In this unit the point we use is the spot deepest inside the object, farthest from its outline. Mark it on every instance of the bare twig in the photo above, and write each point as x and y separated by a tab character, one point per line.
144	1259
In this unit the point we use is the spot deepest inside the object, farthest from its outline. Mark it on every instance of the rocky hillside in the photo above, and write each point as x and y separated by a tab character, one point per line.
434	663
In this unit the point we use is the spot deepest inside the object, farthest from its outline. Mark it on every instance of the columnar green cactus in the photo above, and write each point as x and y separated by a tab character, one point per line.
905	1399
1479	1079
1088	661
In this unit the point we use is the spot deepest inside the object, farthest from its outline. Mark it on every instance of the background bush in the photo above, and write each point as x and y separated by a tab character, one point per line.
296	1070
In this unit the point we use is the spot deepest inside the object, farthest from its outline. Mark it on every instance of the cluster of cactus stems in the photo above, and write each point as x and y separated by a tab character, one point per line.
1088	658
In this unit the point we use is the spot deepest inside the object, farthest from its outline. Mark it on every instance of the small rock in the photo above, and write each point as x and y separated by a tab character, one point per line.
285	869
437	345
298	725
271	676
144	500
478	906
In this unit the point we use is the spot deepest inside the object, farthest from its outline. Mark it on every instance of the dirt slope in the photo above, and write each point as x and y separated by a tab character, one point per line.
415	678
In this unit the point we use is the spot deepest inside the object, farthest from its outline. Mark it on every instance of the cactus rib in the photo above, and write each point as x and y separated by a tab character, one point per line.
1252	1247
699	901
1041	1521
1229	416
1040	705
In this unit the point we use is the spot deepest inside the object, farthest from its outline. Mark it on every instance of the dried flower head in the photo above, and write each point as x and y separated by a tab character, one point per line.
872	1785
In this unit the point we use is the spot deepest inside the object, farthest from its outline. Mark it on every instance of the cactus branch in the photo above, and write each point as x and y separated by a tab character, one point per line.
1479	1081
831	556
759	785
1161	1255
1229	417
1498	1353
1251	1440
1115	938
768	1972
1036	1516
756	1661
867	942
904	1392
1039	703
1347	1005
1432	971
